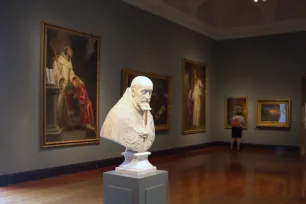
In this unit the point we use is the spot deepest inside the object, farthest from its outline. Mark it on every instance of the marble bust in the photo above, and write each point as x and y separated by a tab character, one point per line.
130	123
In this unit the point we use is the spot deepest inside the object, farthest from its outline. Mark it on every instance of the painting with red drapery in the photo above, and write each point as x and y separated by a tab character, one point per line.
69	87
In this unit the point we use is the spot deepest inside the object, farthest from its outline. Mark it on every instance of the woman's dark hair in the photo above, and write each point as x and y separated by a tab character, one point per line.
239	112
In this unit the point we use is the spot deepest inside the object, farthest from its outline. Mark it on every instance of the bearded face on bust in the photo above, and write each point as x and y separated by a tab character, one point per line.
142	96
130	122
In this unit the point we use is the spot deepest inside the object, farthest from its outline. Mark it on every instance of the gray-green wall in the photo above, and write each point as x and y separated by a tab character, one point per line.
265	67
262	68
131	38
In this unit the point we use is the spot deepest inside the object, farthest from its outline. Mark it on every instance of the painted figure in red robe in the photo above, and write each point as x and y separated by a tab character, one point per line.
84	103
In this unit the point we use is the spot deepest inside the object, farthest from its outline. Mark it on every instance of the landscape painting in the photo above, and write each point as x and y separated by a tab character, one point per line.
194	87
69	87
232	105
273	113
160	99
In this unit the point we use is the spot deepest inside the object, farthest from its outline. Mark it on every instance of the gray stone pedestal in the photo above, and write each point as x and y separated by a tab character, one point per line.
127	189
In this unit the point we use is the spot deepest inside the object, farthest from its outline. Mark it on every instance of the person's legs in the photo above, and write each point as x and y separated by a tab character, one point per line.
232	143
238	143
234	134
239	135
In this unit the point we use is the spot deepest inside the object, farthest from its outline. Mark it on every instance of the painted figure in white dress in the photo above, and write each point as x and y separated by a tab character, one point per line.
195	95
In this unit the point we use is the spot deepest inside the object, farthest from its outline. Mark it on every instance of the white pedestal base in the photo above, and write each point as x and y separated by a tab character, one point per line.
136	164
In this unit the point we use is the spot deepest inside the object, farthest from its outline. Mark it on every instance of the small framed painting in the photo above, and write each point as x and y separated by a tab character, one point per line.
273	113
232	105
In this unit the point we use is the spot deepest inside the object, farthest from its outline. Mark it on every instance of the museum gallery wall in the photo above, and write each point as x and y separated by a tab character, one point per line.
267	70
117	36
70	62
70	90
124	36
273	113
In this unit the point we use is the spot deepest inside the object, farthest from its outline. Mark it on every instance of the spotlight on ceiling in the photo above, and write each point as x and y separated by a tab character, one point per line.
256	1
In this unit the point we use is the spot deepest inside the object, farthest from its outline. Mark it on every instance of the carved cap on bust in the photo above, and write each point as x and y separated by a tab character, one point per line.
141	80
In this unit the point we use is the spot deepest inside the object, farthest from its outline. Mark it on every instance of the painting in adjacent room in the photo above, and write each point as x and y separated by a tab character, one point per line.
304	101
303	119
69	87
160	99
273	113
194	89
232	105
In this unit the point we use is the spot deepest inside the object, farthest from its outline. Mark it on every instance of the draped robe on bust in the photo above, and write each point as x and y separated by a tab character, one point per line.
123	123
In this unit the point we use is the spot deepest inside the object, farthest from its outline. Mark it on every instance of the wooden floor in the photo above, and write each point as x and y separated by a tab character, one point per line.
214	175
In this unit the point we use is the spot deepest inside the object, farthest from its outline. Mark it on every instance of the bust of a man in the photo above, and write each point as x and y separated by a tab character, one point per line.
130	123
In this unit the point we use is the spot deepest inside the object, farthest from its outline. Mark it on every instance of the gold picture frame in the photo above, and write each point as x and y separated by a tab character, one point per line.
161	98
274	113
69	87
193	121
231	104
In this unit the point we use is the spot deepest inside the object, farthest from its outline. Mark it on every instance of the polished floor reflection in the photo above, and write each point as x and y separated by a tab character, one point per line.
213	175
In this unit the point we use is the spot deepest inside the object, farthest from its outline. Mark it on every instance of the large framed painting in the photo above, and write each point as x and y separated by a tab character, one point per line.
160	99
274	113
194	88
232	105
69	87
